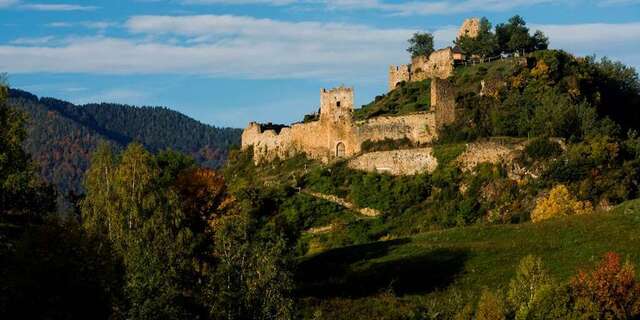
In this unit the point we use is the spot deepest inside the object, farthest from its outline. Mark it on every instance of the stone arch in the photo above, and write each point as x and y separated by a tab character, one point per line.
341	150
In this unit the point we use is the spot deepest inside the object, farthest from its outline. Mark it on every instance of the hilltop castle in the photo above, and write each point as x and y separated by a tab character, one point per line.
336	134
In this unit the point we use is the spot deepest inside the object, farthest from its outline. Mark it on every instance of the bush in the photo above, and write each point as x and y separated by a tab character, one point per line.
542	148
530	280
387	144
612	287
490	307
559	203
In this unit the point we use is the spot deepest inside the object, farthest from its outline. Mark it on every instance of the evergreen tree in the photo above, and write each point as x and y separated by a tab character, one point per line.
514	37
23	196
485	44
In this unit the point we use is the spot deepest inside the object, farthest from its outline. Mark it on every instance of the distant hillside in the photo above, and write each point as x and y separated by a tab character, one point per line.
61	135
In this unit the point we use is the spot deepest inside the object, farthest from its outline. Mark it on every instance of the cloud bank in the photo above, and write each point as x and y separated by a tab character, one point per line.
247	47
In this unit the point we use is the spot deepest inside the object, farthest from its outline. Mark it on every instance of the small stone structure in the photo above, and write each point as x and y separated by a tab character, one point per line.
470	28
439	64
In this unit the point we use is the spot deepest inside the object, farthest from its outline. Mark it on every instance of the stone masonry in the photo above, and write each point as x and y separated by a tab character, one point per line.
337	135
470	28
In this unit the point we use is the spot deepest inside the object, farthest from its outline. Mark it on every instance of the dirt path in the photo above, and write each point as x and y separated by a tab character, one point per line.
367	212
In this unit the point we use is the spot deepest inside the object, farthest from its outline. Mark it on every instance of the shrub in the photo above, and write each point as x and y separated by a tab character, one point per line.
559	203
612	287
387	144
490	307
530	280
543	148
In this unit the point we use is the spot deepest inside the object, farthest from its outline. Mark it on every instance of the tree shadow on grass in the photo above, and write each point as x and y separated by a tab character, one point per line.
348	272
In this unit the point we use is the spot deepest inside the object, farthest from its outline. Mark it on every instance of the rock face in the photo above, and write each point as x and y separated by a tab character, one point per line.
487	152
396	162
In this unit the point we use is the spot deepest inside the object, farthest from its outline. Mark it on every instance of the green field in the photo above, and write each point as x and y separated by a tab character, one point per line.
437	272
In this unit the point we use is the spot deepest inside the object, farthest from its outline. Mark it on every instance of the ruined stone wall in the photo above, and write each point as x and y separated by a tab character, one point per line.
398	74
418	127
396	162
267	145
470	28
488	152
443	101
439	64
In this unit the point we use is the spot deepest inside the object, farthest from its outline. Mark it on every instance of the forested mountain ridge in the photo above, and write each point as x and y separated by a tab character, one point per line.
61	135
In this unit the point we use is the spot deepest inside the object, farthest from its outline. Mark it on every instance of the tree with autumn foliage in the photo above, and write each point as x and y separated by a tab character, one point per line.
188	249
559	203
612	287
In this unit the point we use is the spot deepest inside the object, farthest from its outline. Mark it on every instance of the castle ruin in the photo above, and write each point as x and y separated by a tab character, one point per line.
336	134
439	64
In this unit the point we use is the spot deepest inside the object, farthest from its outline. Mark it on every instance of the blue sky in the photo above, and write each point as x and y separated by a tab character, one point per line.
226	62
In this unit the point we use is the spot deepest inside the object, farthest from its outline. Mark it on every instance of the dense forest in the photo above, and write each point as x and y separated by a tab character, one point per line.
61	135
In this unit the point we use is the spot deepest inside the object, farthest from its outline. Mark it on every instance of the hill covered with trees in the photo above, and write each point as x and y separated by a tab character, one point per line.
61	135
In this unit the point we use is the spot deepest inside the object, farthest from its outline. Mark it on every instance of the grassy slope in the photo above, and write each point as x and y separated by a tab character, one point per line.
407	98
434	266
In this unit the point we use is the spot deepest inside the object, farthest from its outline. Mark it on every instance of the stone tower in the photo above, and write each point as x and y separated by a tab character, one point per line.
398	74
470	28
336	105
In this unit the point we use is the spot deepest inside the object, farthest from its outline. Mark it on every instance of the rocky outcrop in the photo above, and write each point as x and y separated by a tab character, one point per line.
488	152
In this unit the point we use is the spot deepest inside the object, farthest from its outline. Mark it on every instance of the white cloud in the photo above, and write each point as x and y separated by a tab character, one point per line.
7	3
241	2
609	3
59	25
56	7
97	25
38	41
246	47
433	7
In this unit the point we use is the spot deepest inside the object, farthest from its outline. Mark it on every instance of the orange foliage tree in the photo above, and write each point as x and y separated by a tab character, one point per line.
611	287
202	192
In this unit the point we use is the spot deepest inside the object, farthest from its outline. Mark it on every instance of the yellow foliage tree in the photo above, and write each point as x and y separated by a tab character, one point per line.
559	203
